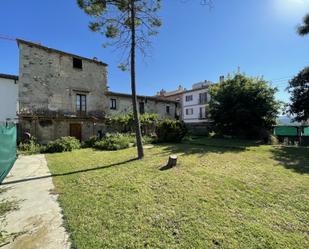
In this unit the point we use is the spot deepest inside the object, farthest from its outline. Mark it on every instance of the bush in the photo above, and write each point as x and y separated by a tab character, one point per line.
145	139
148	140
125	123
171	131
63	144
115	141
91	141
30	147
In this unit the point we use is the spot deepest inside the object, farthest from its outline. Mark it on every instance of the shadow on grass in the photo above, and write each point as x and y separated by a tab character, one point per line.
223	142
166	167
71	172
294	158
204	147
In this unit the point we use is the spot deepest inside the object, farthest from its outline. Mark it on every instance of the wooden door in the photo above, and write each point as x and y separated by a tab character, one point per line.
76	131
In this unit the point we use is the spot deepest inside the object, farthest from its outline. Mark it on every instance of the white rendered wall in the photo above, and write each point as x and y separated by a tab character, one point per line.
8	99
194	104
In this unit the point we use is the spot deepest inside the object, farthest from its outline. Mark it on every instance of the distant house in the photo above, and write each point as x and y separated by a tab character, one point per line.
175	95
121	103
60	94
8	97
195	102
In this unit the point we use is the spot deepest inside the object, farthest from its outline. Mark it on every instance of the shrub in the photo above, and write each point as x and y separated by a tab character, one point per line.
125	123
148	123
148	139
30	147
145	139
122	123
63	144
91	141
171	131
115	141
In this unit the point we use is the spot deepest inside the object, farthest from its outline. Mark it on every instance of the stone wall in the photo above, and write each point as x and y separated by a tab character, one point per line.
45	130
151	105
49	83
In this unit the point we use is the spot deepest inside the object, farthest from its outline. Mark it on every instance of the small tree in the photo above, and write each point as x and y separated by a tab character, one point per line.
304	28
243	106
299	90
129	23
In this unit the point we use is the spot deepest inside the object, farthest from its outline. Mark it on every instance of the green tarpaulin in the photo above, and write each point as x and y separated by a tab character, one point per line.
285	131
306	131
7	149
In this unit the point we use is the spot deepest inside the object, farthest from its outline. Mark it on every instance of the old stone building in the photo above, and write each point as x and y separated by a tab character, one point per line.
120	103
60	94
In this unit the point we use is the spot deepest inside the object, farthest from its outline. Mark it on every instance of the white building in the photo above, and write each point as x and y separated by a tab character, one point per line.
194	103
8	97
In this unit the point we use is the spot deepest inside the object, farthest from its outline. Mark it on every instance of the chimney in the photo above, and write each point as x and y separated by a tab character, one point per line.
162	92
221	79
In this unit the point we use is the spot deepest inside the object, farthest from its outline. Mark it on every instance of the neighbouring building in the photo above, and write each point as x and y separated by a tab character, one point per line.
195	102
121	103
8	97
60	94
175	95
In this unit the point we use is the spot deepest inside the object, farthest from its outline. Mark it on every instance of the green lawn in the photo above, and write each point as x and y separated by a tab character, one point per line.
222	194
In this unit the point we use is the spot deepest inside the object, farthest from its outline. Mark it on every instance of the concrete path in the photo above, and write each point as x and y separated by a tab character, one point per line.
37	223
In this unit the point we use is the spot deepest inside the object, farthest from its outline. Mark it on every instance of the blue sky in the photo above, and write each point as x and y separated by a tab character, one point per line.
194	43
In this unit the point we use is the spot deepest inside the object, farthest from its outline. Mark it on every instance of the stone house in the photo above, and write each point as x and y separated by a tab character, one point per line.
60	94
121	103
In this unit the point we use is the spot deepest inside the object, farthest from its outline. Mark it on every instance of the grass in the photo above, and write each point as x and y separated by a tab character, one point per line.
222	194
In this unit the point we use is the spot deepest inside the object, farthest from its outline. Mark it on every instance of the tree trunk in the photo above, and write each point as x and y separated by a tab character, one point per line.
139	144
172	161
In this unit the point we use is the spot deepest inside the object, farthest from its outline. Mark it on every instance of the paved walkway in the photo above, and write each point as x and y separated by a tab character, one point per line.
38	222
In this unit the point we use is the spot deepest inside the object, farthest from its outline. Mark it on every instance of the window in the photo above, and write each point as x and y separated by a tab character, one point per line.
189	111
168	109
77	63
141	107
203	98
202	112
81	104
189	98
113	104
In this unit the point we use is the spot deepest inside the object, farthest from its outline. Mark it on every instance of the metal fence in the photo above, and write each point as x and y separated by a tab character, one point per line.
7	148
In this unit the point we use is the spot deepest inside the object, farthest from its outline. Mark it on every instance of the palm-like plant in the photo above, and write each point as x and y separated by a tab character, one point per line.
304	28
